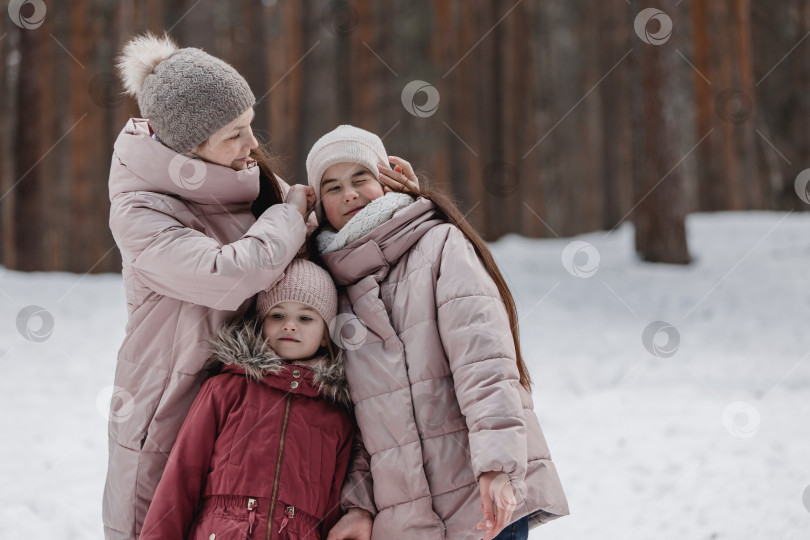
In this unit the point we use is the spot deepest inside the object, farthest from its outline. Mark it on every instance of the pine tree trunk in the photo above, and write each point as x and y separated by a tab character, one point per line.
25	193
660	212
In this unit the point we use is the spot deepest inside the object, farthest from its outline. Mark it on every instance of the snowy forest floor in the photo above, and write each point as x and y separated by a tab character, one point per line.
698	431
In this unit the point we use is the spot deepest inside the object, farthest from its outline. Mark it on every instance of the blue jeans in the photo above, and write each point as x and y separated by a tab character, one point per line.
518	530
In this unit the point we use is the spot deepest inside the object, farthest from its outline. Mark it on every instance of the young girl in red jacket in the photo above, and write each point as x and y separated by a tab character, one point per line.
264	449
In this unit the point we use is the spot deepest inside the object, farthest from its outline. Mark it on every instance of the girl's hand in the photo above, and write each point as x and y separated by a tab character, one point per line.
354	525
302	198
400	178
497	494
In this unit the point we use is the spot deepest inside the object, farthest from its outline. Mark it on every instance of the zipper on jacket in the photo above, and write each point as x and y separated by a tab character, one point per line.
251	507
278	467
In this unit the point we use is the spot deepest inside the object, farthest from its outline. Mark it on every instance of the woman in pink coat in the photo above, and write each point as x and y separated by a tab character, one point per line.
451	447
198	237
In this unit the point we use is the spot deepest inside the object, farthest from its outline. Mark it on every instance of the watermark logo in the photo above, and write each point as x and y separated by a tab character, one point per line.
733	106
28	14
802	184
278	253
187	172
661	339
104	91
429	107
648	18
115	404
580	259
35	323
501	178
340	18
348	331
741	419
431	410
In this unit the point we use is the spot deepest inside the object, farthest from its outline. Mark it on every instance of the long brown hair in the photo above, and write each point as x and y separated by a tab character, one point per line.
447	208
269	190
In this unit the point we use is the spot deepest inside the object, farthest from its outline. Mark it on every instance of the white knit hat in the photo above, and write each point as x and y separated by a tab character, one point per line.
344	144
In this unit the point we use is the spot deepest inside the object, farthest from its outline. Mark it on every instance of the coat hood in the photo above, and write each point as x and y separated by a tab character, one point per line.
240	348
157	168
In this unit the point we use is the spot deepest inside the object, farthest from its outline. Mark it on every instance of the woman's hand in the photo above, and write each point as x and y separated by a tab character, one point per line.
497	494
354	525
302	198
400	178
310	200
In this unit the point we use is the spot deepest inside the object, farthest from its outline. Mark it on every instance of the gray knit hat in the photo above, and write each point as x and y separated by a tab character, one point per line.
305	282
186	94
344	144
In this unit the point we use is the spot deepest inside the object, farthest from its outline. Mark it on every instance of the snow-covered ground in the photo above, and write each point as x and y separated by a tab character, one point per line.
697	429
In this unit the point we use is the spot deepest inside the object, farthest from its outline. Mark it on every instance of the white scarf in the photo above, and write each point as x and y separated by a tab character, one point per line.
363	222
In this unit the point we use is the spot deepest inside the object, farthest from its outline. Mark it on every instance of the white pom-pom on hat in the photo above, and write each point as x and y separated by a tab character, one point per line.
139	58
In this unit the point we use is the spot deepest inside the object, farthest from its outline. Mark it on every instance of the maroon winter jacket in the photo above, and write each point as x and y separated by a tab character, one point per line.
262	437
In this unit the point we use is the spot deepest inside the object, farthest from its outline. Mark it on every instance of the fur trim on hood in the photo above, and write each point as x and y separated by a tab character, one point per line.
240	343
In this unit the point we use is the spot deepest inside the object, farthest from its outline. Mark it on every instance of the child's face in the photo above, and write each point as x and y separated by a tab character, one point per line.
346	188
294	331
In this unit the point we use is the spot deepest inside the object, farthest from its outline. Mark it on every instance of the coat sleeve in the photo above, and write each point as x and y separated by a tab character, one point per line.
341	464
180	489
183	263
358	487
477	339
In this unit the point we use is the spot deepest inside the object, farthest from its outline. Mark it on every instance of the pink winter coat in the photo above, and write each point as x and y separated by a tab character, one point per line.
193	255
433	376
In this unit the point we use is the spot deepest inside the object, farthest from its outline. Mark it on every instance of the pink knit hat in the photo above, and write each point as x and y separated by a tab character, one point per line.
344	144
303	281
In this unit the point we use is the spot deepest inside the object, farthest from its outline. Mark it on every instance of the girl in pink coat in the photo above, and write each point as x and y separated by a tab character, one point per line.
265	446
451	446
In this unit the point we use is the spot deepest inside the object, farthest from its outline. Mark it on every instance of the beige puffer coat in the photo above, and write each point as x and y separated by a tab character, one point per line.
432	372
193	255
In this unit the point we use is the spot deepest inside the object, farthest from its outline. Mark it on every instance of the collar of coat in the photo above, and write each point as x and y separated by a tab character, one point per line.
159	169
239	348
392	224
